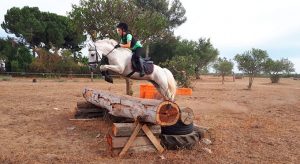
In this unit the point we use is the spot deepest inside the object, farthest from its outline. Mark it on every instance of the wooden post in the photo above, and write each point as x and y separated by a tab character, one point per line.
92	76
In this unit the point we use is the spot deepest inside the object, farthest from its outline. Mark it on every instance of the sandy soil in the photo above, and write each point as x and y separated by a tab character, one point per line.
261	125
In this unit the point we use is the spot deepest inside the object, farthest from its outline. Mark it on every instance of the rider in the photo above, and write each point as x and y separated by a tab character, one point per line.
128	41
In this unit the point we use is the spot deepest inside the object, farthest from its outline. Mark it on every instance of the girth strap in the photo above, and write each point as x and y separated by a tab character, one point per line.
130	74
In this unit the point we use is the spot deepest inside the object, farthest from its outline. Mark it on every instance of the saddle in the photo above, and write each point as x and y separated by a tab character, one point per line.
146	63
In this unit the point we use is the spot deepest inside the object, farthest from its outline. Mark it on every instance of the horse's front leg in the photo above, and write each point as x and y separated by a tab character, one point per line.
114	68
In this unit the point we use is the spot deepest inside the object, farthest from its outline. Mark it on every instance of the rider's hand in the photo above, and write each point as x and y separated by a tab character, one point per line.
117	46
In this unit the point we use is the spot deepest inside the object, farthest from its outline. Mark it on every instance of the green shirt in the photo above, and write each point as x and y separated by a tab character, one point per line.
128	37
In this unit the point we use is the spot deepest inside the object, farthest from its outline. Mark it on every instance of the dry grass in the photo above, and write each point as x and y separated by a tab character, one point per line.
251	126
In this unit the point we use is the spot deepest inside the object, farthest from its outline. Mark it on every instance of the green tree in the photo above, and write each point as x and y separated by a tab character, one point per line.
36	27
275	68
182	68
149	19
17	56
163	49
223	67
167	48
205	54
251	62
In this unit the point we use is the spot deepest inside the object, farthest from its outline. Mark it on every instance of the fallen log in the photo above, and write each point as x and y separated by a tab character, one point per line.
159	112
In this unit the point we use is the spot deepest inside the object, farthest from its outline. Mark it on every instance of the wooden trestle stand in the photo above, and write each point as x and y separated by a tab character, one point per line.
141	126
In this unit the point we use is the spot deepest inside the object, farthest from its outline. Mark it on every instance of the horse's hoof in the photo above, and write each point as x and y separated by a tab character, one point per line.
109	79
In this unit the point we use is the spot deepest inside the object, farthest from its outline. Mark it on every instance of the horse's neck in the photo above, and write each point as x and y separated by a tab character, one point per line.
120	56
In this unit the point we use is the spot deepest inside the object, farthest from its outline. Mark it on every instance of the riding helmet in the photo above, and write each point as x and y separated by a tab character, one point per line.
123	26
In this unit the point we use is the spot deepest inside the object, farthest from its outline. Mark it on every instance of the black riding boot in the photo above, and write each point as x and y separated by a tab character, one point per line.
107	77
142	70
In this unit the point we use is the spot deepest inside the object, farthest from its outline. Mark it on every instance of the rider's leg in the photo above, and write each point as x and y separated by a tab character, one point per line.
137	55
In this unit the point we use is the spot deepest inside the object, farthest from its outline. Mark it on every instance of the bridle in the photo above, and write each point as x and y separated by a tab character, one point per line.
98	58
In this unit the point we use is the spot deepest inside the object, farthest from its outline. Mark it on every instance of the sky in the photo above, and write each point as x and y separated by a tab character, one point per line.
233	26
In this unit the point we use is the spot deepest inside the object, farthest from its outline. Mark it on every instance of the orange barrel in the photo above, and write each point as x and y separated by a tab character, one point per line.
184	91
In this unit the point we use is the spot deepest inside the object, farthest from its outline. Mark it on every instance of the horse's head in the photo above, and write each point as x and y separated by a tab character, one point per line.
94	56
99	49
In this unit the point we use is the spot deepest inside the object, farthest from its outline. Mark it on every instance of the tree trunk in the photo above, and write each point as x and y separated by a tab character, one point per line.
197	72
250	81
223	78
146	110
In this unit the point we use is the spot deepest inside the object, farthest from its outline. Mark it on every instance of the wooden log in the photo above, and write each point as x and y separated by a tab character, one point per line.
136	149
87	110
126	129
81	113
159	112
119	142
85	104
186	115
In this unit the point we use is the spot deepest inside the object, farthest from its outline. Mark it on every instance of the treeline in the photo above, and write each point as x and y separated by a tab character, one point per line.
19	58
48	42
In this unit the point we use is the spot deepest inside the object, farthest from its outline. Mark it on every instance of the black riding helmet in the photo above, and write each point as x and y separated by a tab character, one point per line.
123	26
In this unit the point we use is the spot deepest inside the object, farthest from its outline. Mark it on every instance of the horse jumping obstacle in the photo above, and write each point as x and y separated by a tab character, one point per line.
146	116
159	112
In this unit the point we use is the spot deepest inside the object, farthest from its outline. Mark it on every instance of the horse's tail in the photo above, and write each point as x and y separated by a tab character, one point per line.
172	85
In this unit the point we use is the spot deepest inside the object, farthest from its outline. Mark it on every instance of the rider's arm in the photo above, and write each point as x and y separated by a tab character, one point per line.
126	45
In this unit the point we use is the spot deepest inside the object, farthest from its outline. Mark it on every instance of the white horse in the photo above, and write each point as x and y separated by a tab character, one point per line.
120	62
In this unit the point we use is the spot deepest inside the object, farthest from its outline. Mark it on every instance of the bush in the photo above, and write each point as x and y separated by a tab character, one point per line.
182	69
275	78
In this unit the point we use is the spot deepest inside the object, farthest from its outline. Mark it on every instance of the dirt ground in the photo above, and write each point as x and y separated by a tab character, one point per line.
261	125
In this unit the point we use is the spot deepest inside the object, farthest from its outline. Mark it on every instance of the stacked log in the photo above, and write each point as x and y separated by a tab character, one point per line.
120	134
86	110
159	112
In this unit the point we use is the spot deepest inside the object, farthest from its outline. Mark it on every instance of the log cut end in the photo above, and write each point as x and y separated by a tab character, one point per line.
167	113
